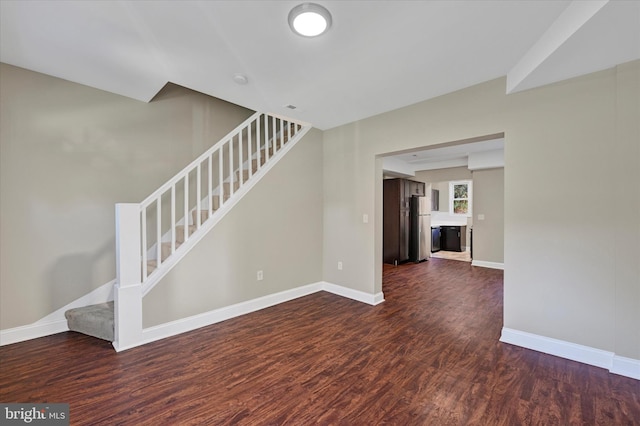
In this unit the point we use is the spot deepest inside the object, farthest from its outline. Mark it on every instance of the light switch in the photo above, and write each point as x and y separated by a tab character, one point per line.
365	218
480	217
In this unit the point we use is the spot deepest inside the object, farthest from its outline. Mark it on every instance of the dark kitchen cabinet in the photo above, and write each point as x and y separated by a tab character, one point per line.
396	228
453	238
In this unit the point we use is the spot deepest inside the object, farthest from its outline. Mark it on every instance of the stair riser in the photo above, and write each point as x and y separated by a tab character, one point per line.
245	175
166	250
180	232
227	189
254	163
204	214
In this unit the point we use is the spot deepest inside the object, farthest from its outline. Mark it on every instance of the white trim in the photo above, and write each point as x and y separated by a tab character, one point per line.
184	325
561	348
52	325
31	331
56	322
485	264
469	198
627	367
127	316
360	296
585	354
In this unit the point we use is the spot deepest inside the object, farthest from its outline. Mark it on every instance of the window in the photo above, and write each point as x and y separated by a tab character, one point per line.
460	197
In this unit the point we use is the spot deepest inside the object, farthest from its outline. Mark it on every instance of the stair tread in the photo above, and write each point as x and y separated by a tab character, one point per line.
168	244
166	249
94	320
181	227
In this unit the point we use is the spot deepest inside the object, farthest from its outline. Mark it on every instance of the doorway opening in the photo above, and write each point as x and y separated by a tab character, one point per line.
450	171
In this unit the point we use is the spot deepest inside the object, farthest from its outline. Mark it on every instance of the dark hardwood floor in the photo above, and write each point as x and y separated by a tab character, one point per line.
428	355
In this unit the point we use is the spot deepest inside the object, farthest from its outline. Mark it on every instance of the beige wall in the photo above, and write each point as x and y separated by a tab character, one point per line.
444	175
626	199
563	276
440	178
349	183
488	200
276	228
68	153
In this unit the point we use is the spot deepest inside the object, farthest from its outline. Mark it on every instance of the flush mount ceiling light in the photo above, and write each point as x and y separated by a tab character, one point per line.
309	19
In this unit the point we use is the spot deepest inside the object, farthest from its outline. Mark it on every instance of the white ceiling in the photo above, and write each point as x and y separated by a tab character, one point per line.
475	155
448	156
377	56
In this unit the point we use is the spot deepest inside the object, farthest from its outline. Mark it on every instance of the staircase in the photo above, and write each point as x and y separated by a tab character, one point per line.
152	236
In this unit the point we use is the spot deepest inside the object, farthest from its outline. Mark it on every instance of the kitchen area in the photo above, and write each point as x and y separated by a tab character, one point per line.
418	223
463	204
452	233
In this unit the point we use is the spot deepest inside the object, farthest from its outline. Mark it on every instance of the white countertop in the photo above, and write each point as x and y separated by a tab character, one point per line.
446	223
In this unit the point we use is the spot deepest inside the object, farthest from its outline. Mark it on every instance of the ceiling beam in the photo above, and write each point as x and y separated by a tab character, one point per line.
575	16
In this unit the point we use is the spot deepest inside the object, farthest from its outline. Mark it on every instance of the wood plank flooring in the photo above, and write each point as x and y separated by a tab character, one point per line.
428	355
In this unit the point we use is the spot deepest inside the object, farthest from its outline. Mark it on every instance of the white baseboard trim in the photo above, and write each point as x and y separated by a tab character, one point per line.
184	325
360	296
627	367
585	354
56	322
31	331
485	264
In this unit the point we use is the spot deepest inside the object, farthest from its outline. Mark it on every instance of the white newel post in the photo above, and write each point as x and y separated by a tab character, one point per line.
128	291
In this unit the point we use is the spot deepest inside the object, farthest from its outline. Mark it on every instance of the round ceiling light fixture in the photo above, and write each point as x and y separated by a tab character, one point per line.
309	19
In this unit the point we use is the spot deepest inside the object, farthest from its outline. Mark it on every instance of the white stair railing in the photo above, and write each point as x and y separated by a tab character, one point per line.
154	235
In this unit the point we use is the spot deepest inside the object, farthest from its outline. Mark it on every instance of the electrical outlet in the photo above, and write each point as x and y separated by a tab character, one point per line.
480	217
339	266
260	276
